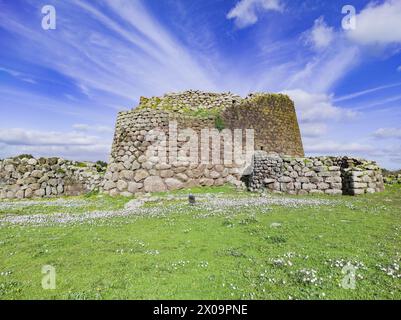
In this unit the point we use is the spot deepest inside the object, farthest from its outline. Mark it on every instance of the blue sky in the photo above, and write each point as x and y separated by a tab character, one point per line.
60	90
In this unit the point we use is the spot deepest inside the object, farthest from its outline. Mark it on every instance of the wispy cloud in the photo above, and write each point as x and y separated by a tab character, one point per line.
18	75
96	128
388	133
377	103
317	107
365	92
245	13
321	35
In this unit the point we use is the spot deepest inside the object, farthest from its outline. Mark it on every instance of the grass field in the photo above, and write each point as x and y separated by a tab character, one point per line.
230	245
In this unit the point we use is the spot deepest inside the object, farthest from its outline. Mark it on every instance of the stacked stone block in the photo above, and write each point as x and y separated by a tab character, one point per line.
47	177
361	176
317	175
274	120
190	100
131	170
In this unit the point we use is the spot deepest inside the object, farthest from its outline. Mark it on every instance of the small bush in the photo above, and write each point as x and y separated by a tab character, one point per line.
219	123
101	164
276	239
81	165
22	156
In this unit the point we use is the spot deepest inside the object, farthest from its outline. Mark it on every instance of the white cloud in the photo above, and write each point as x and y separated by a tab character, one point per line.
96	128
388	133
338	148
17	136
313	130
245	12
313	107
399	69
70	145
80	153
321	35
378	24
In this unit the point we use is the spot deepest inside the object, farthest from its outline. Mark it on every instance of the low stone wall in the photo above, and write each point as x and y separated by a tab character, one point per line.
361	176
319	175
47	177
50	177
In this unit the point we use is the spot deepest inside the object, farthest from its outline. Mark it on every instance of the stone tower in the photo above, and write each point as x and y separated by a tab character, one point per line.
135	165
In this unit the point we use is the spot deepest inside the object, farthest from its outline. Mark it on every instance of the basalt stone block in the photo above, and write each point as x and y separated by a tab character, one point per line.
141	175
122	185
154	184
333	191
358	185
323	186
308	186
173	184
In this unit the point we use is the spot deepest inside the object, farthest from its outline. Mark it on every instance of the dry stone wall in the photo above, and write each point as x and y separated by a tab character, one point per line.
47	177
190	100
274	120
318	175
361	176
132	170
142	138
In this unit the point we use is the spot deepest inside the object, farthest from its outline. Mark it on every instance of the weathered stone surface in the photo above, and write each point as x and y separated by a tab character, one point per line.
134	187
166	173
182	176
333	191
206	182
154	184
141	175
122	185
47	177
330	175
20	194
174	184
127	175
214	175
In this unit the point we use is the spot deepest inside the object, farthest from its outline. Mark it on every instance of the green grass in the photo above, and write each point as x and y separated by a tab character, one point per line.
73	205
236	253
